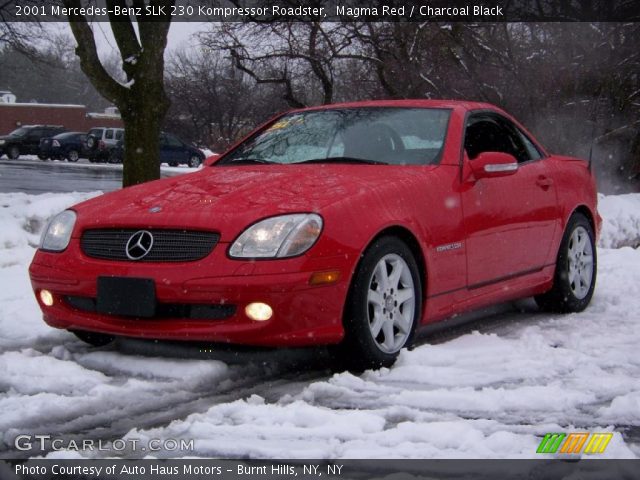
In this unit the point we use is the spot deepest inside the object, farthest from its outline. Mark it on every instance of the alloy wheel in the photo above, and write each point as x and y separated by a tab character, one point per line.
391	303
580	262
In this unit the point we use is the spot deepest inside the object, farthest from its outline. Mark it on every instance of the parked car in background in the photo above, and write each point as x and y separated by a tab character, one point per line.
69	145
348	225
26	140
100	142
172	151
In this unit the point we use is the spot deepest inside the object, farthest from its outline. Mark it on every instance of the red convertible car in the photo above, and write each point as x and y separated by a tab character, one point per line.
348	225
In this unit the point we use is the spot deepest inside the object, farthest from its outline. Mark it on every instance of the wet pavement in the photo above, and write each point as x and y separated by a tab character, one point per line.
30	175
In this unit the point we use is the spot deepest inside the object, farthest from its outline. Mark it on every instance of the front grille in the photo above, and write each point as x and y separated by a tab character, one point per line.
190	311
168	245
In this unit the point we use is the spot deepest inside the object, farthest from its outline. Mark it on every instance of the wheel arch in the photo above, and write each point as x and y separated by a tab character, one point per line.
411	240
583	209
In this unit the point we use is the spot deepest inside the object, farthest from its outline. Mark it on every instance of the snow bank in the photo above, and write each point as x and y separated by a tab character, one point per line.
22	218
621	220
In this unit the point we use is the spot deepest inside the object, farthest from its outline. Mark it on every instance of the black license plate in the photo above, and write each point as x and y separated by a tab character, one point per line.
131	297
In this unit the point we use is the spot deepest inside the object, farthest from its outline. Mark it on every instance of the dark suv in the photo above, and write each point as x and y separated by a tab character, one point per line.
172	151
26	139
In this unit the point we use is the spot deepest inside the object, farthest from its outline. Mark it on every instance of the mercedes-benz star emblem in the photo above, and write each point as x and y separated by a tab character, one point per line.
139	245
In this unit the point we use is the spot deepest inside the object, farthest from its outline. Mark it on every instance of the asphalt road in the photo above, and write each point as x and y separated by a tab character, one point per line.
30	175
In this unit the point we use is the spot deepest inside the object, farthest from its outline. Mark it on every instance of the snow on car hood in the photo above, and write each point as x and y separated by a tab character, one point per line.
228	199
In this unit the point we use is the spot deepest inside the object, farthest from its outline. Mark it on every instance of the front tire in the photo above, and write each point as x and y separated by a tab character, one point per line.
576	268
93	338
383	307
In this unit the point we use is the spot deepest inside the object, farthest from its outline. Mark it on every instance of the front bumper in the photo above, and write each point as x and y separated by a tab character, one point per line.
303	314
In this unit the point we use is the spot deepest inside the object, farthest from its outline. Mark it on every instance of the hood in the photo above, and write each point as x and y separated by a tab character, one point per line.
9	137
229	198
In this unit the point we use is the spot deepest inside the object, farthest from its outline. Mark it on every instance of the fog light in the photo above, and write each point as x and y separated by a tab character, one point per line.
46	297
260	312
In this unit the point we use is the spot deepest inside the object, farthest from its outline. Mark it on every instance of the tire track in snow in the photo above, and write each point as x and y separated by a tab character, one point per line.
158	401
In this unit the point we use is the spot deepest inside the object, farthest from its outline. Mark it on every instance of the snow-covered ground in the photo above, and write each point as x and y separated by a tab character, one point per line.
491	389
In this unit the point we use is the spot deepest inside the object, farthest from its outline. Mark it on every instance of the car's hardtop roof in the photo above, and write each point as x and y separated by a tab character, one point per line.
410	103
41	126
69	134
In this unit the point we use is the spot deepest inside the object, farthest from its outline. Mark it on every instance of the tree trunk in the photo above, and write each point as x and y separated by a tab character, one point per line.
142	119
142	100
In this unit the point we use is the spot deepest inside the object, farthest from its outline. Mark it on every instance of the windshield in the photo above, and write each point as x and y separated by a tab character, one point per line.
19	132
393	136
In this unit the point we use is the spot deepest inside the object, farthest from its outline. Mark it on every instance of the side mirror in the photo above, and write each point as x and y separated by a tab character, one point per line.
211	160
493	164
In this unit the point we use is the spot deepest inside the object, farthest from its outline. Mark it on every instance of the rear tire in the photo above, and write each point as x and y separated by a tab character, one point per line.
93	338
114	157
73	156
576	268
383	307
13	153
194	161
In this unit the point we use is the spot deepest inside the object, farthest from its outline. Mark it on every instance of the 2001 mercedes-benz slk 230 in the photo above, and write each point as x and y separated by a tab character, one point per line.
349	225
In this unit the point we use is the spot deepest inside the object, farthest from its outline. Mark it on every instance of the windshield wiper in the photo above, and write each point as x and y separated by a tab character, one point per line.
249	161
343	160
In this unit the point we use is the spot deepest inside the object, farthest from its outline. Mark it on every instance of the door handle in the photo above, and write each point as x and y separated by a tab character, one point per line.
544	182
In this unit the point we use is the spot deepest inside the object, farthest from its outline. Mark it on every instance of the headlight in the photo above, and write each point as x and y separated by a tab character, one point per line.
278	237
56	236
2	142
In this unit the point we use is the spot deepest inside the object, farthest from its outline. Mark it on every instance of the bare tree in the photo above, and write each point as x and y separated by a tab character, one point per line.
142	99
213	103
303	58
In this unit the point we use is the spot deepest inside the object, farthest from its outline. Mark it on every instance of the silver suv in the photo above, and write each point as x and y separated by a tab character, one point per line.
100	142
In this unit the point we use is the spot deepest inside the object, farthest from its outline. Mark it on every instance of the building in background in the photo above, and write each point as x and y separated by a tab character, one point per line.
72	117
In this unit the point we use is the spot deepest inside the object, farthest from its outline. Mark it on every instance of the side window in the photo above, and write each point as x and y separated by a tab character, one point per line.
534	153
108	134
35	133
119	134
173	141
484	135
490	133
96	132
